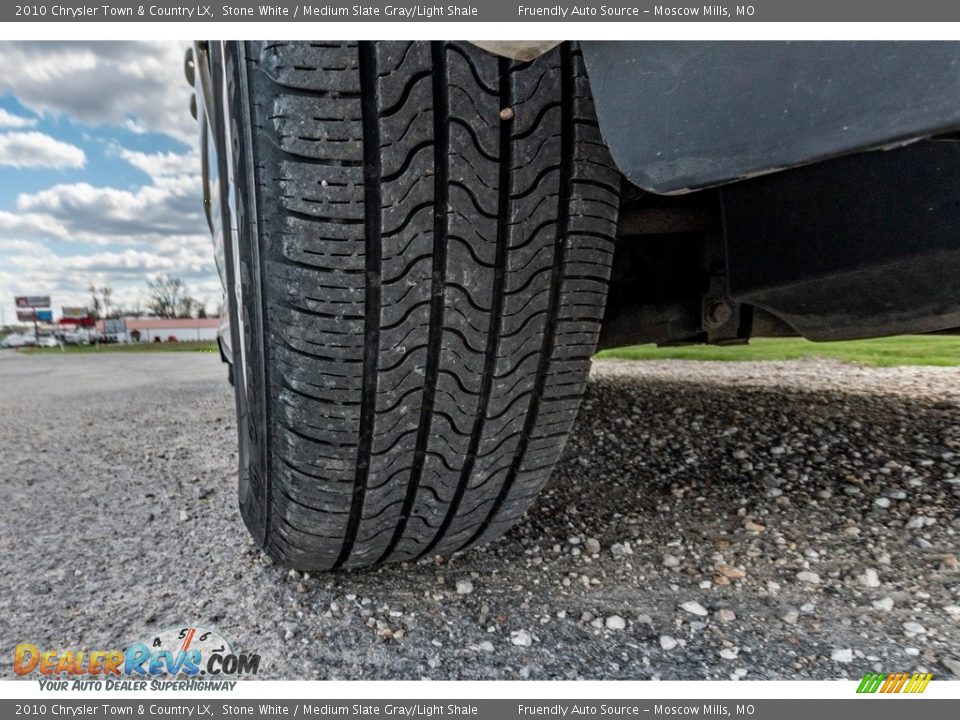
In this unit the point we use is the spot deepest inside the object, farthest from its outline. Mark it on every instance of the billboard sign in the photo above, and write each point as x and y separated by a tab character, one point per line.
73	312
32	301
35	315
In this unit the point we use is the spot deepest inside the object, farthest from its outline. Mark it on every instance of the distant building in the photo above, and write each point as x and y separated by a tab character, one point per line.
183	329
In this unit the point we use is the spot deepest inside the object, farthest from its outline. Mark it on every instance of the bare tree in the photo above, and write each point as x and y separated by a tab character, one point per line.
165	296
101	300
95	303
106	298
187	306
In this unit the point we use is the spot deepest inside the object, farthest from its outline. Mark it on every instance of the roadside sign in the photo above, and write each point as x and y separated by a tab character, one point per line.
45	316
73	312
32	301
26	315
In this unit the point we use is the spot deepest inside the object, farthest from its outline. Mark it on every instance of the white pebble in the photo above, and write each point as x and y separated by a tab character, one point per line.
694	608
913	628
521	638
615	622
884	604
843	655
667	642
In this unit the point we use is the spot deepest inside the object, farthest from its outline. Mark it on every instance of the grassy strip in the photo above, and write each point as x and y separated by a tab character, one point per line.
190	346
942	350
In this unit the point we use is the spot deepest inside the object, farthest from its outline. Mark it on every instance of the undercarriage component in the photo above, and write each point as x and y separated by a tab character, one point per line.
861	246
680	116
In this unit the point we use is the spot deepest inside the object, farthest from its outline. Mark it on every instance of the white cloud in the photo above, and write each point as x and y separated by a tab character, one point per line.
108	215
163	164
136	264
34	149
118	236
9	120
30	267
133	84
167	210
31	225
18	245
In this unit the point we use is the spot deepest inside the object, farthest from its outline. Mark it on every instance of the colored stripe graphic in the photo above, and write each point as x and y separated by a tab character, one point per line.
894	683
188	639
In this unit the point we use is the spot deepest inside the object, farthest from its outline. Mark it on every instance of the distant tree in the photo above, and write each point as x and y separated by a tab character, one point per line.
186	307
165	296
101	300
106	298
95	303
202	311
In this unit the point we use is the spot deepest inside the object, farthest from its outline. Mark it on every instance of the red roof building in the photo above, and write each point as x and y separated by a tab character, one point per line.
183	329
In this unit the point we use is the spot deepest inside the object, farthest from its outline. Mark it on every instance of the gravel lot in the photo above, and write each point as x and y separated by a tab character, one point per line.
784	520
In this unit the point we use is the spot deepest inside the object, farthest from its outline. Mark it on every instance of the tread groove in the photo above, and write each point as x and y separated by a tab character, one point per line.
441	149
372	208
556	290
496	312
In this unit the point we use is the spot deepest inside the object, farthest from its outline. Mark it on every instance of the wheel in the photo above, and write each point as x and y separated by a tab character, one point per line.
424	244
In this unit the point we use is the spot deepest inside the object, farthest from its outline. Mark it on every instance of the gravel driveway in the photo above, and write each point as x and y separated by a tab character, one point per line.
781	520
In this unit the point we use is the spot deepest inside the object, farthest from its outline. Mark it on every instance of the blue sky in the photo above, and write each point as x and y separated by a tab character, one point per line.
99	174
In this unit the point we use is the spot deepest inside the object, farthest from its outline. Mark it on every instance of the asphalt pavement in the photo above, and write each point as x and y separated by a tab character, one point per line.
787	520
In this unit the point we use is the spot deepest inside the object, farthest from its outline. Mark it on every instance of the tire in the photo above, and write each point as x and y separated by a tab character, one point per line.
425	242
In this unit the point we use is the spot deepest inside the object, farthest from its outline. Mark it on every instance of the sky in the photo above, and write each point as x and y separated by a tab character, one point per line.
99	173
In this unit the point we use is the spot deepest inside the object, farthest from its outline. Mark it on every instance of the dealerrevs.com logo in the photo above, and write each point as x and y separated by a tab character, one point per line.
180	658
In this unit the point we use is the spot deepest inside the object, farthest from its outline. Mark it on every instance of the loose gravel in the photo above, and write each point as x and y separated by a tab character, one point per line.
781	520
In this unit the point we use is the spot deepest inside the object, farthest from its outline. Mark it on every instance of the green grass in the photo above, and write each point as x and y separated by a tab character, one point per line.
194	346
943	350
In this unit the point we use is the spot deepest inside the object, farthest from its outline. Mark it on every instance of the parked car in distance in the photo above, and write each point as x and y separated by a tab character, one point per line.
17	340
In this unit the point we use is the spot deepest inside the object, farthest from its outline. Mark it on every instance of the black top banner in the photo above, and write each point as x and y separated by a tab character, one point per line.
485	11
